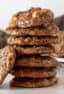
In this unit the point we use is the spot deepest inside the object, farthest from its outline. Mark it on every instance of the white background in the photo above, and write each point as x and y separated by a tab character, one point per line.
8	7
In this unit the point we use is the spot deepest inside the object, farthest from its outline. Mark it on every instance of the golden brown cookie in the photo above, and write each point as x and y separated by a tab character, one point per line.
36	61
50	30
31	17
3	36
33	73
61	53
34	50
33	83
33	40
7	60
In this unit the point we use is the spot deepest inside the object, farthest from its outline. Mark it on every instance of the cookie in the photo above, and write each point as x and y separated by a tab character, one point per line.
33	40
60	53
50	30
2	39
33	83
6	61
33	73
31	17
59	21
34	50
36	61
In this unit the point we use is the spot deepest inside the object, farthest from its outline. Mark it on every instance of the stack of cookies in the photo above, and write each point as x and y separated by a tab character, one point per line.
35	37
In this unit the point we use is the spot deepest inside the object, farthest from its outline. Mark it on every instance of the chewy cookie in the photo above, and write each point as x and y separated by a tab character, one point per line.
50	30
34	50
33	73
7	60
3	36
44	40
31	17
36	61
61	53
33	83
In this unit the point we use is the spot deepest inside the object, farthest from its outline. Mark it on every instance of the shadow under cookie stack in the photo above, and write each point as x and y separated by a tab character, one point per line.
35	37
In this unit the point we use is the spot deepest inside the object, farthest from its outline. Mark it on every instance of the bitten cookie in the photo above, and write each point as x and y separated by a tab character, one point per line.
31	17
7	60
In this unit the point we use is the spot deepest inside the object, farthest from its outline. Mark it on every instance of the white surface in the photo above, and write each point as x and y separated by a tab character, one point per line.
8	7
